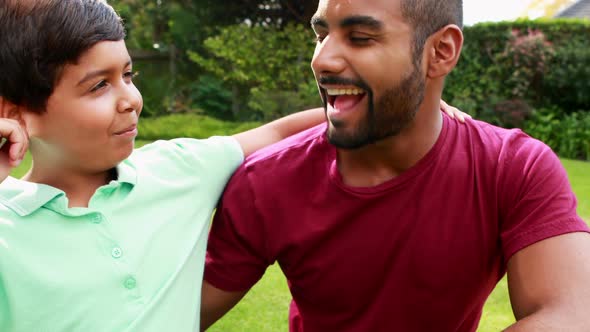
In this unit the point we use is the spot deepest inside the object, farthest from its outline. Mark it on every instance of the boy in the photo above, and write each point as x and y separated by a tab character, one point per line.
96	237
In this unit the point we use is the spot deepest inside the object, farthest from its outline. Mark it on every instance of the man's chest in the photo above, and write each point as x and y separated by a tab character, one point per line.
418	239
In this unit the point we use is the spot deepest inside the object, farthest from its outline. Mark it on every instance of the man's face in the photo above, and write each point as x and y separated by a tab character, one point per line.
370	81
91	117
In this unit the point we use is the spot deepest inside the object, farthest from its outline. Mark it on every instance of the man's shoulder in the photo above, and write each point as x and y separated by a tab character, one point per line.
511	153
502	141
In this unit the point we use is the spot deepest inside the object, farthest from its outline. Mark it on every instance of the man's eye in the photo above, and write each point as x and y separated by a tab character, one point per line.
360	40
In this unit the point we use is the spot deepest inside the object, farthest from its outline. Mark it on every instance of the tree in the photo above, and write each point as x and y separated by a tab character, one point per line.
175	28
267	67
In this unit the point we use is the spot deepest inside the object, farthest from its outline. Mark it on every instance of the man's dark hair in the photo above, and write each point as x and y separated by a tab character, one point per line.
429	16
39	37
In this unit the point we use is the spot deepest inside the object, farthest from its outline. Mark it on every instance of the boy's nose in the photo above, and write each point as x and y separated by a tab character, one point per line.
130	100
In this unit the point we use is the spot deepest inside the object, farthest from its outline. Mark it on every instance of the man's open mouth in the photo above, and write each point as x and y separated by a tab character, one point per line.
344	98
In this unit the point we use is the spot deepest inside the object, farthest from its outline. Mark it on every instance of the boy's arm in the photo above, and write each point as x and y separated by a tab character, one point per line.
277	130
215	303
282	128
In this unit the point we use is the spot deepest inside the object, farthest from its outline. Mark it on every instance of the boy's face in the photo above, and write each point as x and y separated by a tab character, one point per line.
91	118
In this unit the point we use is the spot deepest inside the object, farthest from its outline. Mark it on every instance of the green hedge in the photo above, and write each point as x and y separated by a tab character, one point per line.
568	136
487	73
188	125
533	75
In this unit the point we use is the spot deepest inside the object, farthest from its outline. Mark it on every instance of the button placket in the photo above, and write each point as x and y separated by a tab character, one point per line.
116	252
130	283
97	218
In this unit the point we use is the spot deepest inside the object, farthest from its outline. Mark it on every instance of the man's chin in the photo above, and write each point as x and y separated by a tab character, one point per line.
341	139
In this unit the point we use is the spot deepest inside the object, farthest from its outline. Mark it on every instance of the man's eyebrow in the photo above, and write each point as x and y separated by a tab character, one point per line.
317	21
99	72
364	21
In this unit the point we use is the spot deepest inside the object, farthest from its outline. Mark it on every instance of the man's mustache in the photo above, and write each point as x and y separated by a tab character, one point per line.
335	80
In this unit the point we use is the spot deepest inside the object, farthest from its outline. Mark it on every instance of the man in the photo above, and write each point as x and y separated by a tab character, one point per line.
391	217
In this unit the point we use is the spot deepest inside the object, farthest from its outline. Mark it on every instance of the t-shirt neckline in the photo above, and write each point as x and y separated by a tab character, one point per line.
419	168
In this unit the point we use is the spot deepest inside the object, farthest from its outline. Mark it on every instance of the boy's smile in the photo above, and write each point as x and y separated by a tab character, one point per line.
91	118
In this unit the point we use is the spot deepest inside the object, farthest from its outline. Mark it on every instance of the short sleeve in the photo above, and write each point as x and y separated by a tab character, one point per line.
237	254
204	165
219	155
536	200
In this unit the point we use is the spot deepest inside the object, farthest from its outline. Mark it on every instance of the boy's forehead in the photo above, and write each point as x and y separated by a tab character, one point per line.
115	51
102	55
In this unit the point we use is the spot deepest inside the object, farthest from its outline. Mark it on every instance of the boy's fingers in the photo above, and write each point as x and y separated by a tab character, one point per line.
460	117
17	140
449	112
16	156
447	109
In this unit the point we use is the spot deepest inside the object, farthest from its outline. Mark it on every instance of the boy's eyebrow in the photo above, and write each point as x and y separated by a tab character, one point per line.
100	72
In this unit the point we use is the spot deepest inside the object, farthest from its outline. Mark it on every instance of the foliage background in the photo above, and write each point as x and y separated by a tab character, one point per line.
250	61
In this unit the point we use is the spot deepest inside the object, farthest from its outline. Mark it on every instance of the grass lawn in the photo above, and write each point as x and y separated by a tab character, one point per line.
265	307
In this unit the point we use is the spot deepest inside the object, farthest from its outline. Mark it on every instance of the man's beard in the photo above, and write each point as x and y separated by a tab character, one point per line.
386	117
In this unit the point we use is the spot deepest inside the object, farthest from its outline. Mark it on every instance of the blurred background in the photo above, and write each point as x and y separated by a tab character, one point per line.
525	63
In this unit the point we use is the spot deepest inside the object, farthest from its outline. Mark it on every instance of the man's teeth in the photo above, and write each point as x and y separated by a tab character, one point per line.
339	92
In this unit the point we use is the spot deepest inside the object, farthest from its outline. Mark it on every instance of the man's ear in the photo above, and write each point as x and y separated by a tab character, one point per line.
444	51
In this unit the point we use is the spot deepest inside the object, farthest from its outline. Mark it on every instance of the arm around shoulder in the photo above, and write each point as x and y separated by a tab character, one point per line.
277	130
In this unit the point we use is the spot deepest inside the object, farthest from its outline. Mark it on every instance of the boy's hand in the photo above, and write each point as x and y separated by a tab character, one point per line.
13	146
453	112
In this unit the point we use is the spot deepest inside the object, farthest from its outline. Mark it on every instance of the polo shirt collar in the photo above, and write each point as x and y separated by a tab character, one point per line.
25	197
126	173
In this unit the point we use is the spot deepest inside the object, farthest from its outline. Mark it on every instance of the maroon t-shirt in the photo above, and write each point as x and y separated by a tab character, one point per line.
421	252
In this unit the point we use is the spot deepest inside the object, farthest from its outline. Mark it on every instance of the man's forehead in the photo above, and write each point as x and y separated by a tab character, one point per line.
380	10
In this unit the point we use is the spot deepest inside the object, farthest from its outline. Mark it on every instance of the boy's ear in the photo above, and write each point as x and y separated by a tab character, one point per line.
8	110
444	52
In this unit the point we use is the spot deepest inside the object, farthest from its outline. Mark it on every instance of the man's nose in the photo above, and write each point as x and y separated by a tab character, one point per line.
329	57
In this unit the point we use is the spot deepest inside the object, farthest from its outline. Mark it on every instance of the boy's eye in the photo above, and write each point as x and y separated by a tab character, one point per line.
131	74
99	86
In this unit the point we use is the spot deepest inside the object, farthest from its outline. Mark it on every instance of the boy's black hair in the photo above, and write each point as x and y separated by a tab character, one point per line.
39	37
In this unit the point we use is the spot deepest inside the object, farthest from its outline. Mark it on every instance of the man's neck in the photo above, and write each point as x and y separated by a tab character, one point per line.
384	160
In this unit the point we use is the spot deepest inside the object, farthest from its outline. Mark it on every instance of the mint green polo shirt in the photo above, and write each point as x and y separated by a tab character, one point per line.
132	261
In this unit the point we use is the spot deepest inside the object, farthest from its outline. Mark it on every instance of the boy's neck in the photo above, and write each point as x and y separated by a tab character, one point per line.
79	187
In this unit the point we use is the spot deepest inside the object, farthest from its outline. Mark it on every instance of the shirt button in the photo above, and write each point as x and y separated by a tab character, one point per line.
117	252
130	283
97	218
